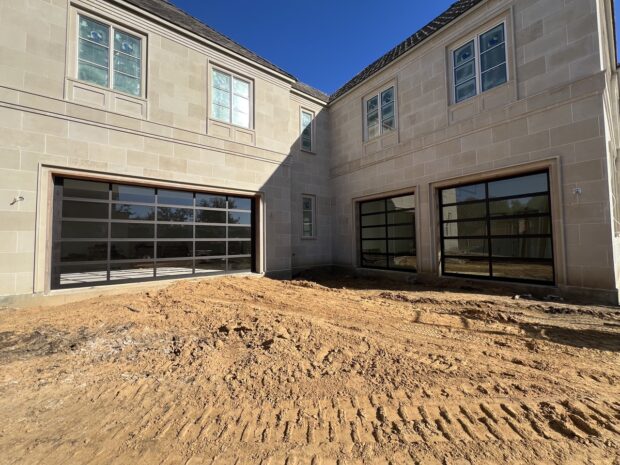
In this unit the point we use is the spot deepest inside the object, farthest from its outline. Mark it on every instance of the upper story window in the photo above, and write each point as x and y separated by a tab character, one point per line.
380	113
109	57
480	64
307	130
230	98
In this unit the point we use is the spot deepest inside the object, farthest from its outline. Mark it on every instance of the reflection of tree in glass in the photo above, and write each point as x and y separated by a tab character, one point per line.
134	212
175	214
232	204
212	202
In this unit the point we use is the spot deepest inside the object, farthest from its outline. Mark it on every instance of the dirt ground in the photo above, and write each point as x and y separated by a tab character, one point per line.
339	371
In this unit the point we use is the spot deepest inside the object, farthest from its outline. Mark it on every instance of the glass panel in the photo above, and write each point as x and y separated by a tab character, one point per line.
492	38
133	231
307	203
388	124
241	104
174	231
494	78
82	230
465	72
536	271
221	98
206	249
127	84
212	201
374	246
374	233
175	268
75	209
401	247
477	247
399	217
403	232
127	44
175	249
306	142
372	118
94	74
521	226
403	262
94	31
167	197
211	232
83	251
465	229
375	206
123	211
239	232
465	211
239	218
387	111
208	216
374	261
464	54
182	215
492	58
463	194
239	248
215	265
94	53
220	113
126	65
522	185
221	80
373	220
522	247
373	131
241	88
132	250
85	189
241	119
520	206
387	96
76	275
124	271
372	105
306	119
133	193
466	90
467	266
239	265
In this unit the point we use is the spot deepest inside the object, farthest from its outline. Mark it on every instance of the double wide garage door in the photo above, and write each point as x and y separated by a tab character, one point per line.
107	233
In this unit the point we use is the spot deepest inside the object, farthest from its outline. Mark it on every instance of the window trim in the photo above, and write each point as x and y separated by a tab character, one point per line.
377	93
112	27
233	75
313	210
478	65
303	110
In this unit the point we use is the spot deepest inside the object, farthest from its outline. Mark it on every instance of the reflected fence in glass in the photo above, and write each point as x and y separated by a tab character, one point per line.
387	233
109	233
499	229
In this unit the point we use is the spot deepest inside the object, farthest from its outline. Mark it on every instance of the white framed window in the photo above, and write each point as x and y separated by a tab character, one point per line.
231	98
109	56
380	113
480	64
306	130
308	215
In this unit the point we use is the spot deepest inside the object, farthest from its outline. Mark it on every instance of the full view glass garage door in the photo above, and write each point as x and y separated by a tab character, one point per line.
107	233
499	229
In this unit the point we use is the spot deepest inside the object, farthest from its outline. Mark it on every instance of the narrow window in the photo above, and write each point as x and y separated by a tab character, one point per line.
307	119
380	113
118	65
480	64
230	99
308	216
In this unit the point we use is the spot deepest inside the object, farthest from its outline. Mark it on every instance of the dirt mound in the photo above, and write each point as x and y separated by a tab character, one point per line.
255	371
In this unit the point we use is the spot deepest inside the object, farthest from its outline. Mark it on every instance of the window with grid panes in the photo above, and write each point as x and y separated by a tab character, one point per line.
230	98
109	57
380	113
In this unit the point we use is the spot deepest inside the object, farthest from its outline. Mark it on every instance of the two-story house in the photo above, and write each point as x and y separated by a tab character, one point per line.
137	144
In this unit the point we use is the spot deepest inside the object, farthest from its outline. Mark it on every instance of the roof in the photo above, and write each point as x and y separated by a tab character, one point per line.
457	9
305	88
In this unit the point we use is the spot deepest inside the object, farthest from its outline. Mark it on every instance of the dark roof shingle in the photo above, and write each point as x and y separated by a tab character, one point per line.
306	89
452	13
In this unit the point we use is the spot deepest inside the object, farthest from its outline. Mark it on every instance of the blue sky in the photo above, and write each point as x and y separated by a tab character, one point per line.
341	38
